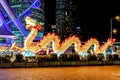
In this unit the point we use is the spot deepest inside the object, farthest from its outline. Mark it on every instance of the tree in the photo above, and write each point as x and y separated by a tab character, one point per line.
43	58
108	57
63	57
73	57
19	57
115	57
53	57
92	57
100	56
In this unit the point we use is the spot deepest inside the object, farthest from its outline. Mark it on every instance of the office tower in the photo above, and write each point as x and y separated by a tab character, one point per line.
66	18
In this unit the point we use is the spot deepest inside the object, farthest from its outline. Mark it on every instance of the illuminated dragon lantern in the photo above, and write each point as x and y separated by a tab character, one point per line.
35	26
3	48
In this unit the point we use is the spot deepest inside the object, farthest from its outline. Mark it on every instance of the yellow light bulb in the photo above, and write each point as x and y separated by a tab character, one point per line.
115	31
117	18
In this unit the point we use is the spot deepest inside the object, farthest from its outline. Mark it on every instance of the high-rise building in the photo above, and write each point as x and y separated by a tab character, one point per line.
66	18
23	8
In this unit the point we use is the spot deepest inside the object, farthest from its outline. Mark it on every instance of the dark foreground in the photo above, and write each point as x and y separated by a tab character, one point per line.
62	73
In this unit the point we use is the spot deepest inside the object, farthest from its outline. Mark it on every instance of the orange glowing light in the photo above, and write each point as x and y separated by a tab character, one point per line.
57	47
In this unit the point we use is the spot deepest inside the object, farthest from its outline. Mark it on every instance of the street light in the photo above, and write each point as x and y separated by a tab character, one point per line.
117	18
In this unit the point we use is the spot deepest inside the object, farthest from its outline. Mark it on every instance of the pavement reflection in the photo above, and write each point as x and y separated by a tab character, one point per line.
62	73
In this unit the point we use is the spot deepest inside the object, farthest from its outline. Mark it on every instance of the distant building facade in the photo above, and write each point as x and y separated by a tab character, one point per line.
65	18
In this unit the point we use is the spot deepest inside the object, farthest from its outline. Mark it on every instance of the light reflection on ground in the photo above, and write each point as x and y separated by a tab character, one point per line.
62	73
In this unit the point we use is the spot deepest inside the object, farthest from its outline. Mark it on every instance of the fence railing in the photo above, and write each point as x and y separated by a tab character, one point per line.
57	64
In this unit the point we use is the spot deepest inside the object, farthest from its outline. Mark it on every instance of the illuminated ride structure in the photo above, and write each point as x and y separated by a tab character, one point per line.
13	13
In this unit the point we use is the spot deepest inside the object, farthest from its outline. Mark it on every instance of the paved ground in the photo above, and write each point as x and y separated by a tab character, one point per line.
62	73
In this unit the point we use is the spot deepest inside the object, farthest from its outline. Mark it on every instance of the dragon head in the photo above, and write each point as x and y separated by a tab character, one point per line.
111	41
32	23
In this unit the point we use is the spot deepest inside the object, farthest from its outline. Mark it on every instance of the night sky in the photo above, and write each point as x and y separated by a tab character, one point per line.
92	17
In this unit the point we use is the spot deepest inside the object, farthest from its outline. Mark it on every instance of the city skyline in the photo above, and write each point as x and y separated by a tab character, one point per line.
93	18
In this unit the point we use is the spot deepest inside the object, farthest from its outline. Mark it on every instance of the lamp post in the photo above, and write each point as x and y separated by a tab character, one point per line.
111	20
117	18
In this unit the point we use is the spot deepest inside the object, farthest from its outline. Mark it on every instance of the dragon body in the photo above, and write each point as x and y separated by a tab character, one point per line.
34	26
